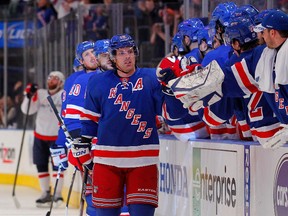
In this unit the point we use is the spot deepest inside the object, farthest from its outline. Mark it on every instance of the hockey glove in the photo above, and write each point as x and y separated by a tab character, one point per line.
59	156
279	139
75	161
165	75
31	90
81	151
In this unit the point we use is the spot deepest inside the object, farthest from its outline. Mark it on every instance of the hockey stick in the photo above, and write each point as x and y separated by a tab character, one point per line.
70	190
82	200
51	102
54	193
19	157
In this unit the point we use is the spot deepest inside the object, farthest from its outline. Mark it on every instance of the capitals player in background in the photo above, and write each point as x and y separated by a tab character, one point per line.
120	109
45	134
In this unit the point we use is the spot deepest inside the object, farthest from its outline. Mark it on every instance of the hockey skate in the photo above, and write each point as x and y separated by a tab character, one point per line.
58	201
45	200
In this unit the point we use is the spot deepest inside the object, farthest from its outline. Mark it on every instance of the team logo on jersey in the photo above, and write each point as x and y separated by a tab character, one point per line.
125	85
131	114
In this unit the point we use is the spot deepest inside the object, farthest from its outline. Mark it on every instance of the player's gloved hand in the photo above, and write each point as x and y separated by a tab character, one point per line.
279	139
59	156
81	151
31	90
68	142
191	68
75	161
165	75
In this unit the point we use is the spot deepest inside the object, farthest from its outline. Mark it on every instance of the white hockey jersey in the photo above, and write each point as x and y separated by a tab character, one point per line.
47	125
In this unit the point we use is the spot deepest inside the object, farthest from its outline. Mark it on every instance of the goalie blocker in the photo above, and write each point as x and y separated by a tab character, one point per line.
202	87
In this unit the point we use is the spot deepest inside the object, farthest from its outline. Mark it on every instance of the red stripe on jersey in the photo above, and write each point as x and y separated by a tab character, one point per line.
72	111
164	110
239	67
209	119
126	154
223	131
264	134
244	127
190	129
46	138
90	117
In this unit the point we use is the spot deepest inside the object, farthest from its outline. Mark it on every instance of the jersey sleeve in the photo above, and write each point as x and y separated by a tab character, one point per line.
92	110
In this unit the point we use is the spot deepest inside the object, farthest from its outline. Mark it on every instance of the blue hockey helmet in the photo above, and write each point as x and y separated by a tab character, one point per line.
260	16
246	10
220	18
82	47
177	41
241	29
202	34
101	46
222	13
76	63
120	41
189	27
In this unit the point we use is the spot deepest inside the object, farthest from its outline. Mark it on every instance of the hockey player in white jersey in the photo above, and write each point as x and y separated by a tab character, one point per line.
46	131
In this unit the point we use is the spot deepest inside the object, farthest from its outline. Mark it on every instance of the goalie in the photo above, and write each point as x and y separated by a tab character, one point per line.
200	87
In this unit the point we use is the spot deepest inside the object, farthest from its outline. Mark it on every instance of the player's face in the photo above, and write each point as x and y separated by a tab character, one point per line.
216	42
125	60
53	82
268	35
89	60
203	46
260	38
104	61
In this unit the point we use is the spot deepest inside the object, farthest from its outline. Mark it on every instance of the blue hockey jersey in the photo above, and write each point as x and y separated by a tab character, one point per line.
67	86
260	114
75	103
121	113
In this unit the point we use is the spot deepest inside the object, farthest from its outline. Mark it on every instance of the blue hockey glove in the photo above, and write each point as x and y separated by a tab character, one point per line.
165	75
59	156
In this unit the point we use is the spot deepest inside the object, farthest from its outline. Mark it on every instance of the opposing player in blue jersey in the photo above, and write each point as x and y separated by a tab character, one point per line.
120	109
